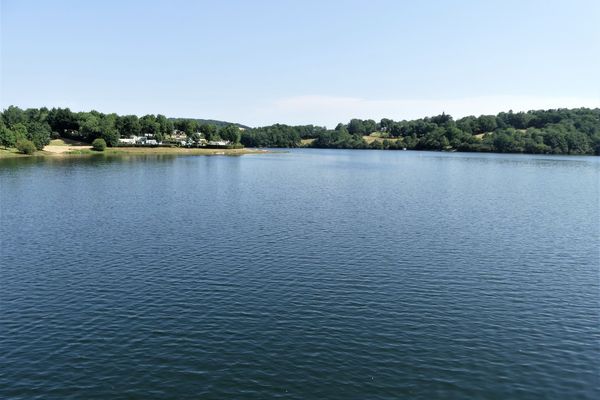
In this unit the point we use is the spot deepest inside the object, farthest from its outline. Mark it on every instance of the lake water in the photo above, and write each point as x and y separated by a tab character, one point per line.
313	274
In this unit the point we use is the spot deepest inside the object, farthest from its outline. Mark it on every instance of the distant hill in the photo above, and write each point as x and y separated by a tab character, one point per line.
213	122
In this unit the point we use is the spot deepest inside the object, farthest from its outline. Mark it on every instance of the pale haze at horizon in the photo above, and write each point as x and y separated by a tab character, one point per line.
300	62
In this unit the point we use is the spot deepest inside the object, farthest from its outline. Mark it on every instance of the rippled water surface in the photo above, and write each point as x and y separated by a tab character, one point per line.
313	274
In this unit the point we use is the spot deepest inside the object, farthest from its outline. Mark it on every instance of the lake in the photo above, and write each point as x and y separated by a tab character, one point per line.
312	274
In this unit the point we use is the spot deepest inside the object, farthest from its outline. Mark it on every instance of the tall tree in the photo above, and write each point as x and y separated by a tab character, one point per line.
166	125
14	115
61	120
231	133
209	131
129	126
39	133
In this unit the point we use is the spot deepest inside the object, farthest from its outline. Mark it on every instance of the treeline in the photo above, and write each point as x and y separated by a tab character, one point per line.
195	130
280	135
215	122
561	131
40	125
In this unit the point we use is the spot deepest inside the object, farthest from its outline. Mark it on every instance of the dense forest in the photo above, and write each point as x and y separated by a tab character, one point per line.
40	125
215	122
560	131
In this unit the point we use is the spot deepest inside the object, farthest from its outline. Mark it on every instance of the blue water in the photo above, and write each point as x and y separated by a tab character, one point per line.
312	274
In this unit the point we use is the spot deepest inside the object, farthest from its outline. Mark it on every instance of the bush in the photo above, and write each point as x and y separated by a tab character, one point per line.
99	144
39	134
25	146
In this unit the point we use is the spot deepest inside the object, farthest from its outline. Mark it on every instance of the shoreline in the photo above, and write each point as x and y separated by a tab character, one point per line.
77	150
87	151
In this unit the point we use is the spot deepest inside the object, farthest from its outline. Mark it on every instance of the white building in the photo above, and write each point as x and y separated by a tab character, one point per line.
219	143
139	140
132	140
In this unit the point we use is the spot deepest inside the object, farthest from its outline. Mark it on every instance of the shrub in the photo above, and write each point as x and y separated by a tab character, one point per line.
99	144
25	146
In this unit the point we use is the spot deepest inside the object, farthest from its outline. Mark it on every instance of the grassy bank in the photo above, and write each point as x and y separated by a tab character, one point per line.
10	153
56	149
165	150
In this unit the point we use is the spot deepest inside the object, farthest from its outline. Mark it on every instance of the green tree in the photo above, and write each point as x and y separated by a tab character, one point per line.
189	126
556	139
39	134
14	115
62	120
195	137
20	131
486	123
148	124
90	127
442	119
99	144
108	129
25	146
356	127
231	133
467	124
376	145
369	126
385	125
128	126
166	125
36	114
7	137
579	143
209	131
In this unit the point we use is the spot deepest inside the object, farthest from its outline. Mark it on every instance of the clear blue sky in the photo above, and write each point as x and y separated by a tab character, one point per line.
260	62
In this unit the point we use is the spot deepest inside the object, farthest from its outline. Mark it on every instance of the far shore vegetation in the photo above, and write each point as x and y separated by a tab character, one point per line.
560	131
43	131
67	148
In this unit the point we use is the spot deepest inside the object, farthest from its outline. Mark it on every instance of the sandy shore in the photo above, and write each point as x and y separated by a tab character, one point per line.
60	149
68	150
180	151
